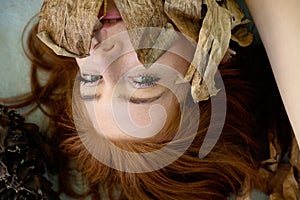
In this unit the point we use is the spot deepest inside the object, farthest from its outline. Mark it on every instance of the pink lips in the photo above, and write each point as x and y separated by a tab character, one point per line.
112	14
111	18
108	22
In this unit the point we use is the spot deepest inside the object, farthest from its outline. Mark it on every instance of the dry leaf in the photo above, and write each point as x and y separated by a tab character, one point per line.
163	42
281	178
213	42
46	39
186	15
140	14
70	23
242	36
290	187
236	12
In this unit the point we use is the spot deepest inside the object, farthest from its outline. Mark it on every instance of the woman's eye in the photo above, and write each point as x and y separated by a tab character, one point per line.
89	79
143	81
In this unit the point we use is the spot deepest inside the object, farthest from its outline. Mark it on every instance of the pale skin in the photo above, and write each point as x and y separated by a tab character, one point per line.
129	99
278	23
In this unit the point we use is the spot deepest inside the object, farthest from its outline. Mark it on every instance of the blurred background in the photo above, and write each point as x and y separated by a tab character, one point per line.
15	68
14	15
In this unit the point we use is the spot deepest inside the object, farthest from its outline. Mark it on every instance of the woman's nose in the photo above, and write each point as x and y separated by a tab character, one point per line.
109	43
109	31
111	50
100	38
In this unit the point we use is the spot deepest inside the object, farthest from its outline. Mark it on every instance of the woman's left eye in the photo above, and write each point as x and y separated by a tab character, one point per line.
143	81
89	79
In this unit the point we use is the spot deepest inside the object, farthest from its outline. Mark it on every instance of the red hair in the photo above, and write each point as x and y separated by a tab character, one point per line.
233	161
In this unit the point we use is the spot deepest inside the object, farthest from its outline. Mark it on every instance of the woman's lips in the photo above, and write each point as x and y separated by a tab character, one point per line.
110	22
111	18
112	15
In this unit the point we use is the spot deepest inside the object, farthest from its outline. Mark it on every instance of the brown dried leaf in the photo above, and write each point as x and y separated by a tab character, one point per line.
185	14
136	16
70	23
235	11
276	196
212	45
46	39
295	157
242	36
163	42
290	187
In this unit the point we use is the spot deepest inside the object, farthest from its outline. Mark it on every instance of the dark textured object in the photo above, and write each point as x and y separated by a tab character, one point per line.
21	161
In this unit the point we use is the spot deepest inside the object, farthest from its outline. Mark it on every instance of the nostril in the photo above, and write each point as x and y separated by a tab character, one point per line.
95	43
104	46
96	46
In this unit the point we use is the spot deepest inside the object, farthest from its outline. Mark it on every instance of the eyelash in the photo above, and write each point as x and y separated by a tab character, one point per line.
92	81
143	81
140	81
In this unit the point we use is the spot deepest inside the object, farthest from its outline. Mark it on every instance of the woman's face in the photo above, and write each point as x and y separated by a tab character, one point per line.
123	98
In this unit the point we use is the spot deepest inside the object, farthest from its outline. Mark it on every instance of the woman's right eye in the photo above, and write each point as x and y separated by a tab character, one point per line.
143	81
89	79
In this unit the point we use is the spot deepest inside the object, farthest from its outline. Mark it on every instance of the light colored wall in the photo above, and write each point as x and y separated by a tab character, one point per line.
14	75
14	67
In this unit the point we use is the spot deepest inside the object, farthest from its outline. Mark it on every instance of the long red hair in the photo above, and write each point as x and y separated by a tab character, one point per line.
233	161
